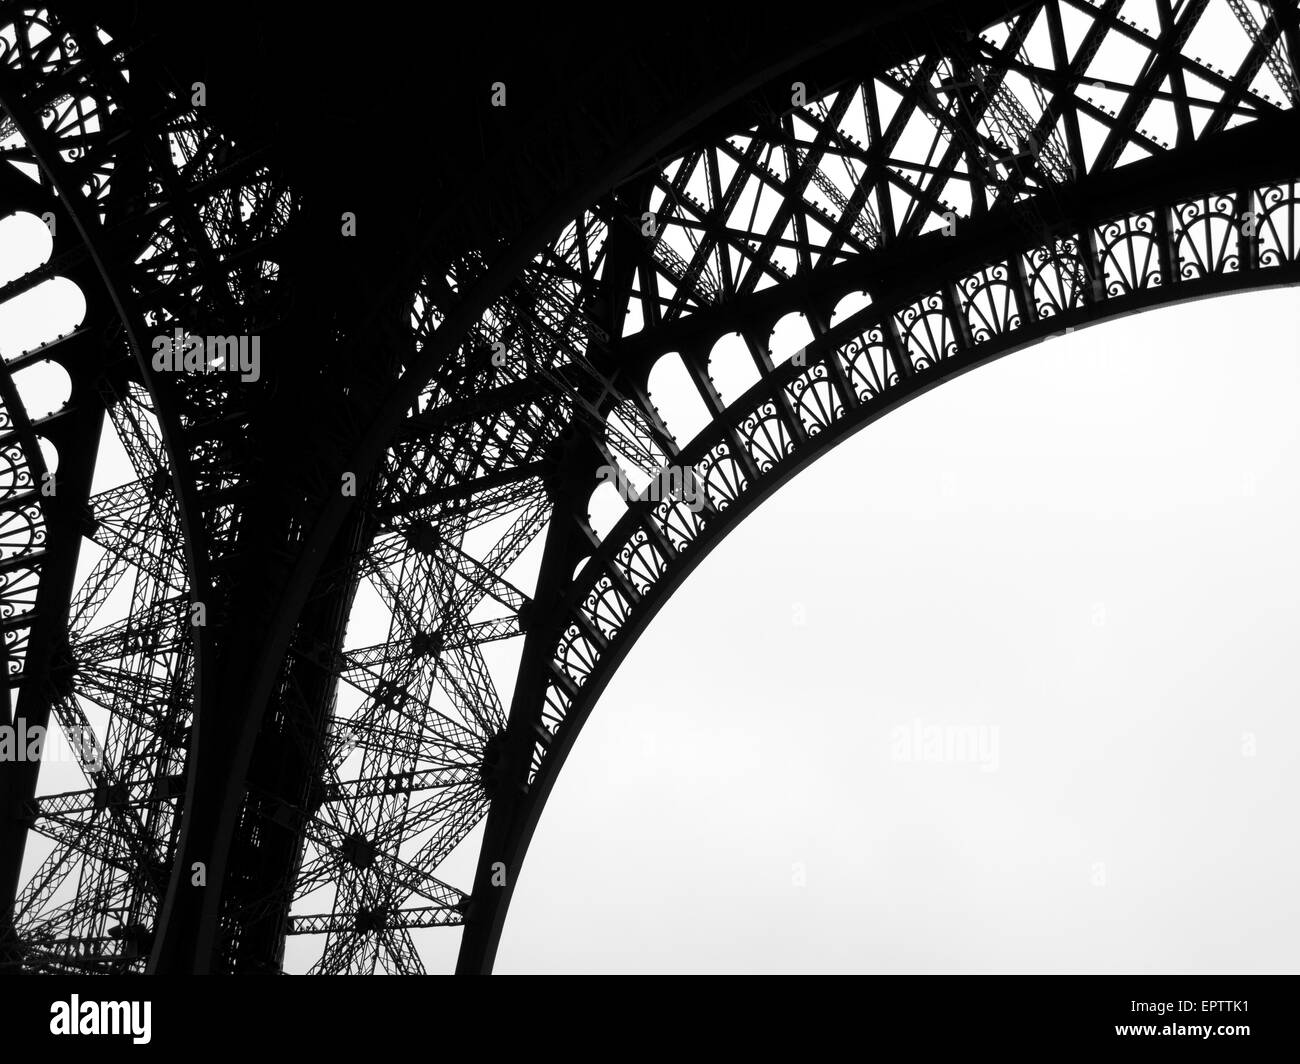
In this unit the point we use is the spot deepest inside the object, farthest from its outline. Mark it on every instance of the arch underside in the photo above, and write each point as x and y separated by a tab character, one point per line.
1052	234
1066	165
857	373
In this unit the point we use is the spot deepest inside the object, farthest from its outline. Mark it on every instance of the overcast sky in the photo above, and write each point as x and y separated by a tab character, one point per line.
1083	555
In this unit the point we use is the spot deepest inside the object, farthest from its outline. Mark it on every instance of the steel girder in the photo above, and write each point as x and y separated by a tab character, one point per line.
154	219
1013	226
917	201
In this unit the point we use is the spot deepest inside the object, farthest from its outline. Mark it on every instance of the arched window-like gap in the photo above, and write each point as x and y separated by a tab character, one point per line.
606	506
49	454
52	309
44	388
25	244
849	305
677	399
732	367
792	333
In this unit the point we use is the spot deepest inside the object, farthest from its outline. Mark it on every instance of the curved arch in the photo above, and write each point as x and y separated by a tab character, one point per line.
781	214
950	563
856	374
732	368
1065	217
865	367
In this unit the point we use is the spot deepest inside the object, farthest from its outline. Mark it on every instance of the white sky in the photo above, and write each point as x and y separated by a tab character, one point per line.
1088	546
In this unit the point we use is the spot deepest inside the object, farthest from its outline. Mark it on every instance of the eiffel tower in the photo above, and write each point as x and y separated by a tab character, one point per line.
470	257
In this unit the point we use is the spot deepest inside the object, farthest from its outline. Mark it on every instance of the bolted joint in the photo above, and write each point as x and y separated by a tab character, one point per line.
375	919
423	538
359	851
426	644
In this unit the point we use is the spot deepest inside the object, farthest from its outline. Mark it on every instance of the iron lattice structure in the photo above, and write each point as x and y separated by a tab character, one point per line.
280	630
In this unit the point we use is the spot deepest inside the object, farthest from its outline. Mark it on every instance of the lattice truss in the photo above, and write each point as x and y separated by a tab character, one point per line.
1005	121
420	714
745	234
185	237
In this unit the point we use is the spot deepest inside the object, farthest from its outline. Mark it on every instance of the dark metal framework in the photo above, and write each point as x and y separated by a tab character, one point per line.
264	770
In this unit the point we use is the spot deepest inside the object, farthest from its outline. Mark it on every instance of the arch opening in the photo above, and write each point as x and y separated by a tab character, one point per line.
1103	573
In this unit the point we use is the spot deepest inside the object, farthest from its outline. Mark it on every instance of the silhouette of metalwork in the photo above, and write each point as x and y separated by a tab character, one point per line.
907	204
